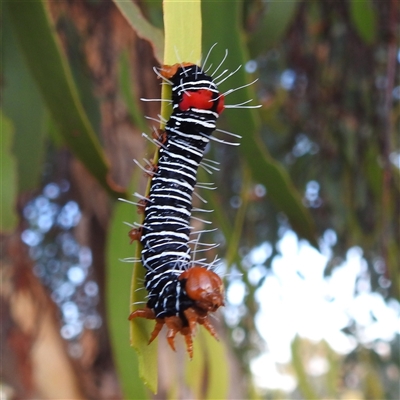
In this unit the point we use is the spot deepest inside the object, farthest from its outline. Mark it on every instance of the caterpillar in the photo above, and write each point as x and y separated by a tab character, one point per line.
181	292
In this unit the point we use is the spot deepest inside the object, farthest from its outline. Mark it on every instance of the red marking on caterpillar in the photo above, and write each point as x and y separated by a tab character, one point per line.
201	99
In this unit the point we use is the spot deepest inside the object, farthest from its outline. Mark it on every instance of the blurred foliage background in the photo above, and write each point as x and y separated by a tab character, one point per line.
321	159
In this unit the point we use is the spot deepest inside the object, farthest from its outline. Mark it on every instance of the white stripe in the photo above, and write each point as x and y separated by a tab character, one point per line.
176	155
166	233
205	111
178	291
190	136
191	176
173	181
187	147
171	208
181	255
180	246
179	166
166	218
169	190
195	121
163	196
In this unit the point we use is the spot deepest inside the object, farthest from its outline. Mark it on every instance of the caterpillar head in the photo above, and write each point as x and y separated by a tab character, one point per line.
192	88
205	287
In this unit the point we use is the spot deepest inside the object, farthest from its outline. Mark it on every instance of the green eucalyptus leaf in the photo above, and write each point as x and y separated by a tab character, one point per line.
208	373
175	22
80	72
129	364
278	16
364	19
153	11
8	177
23	104
53	76
218	368
142	27
140	330
196	368
127	89
182	22
305	387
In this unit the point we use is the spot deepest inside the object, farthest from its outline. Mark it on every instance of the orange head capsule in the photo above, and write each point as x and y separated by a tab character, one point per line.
205	287
168	71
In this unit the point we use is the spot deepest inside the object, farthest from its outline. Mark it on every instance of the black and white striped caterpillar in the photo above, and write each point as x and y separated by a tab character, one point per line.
180	293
